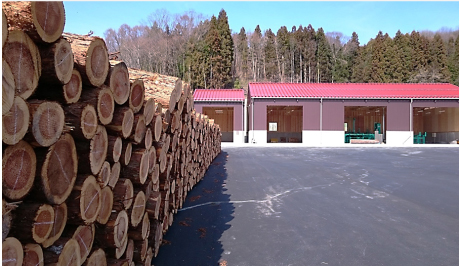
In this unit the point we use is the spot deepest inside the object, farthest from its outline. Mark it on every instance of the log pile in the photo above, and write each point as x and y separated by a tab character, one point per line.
97	157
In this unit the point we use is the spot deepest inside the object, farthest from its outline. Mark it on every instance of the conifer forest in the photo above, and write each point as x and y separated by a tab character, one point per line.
206	54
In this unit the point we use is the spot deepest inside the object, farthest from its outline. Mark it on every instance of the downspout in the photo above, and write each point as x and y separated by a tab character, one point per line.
252	105
321	120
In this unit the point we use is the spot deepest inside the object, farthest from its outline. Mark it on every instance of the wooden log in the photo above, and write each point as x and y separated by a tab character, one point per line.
72	90
153	203
102	99
114	148
91	58
42	21
15	122
106	205
139	129
140	250
48	121
65	94
57	62
137	210
7	217
97	258
92	155
157	127
123	194
118	81
33	255
126	153
156	236
155	177
58	171
85	200
152	159
117	252
22	55
129	250
83	118
122	122
60	221
104	175
148	110
148	139
148	257
8	87
117	262
84	235
12	252
136	95
64	253
4	28
138	168
114	174
115	231
33	222
19	163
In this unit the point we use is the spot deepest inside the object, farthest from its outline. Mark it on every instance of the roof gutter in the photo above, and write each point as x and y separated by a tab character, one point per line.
349	98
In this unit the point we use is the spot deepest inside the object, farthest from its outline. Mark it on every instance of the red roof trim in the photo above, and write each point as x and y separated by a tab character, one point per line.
218	95
355	90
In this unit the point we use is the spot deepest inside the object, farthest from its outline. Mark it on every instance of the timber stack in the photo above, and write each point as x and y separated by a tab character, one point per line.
96	158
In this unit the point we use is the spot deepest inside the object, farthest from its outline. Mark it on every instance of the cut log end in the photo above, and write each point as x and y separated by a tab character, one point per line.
43	223
15	123
97	64
88	122
106	205
47	122
114	174
8	86
90	200
105	106
138	209
60	221
119	82
18	167
49	20
33	255
73	88
84	235
98	147
59	171
104	174
12	252
97	258
149	110
137	94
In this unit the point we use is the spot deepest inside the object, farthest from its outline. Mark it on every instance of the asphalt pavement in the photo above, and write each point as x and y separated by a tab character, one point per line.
320	206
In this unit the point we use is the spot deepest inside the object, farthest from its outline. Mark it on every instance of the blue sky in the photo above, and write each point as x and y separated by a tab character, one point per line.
366	18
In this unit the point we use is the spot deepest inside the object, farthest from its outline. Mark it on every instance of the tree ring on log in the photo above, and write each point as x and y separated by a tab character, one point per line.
8	86
23	57
97	258
16	122
89	121
105	106
119	83
33	255
49	18
104	174
85	239
138	209
157	128
63	61
128	123
18	167
73	88
48	123
60	221
117	148
114	174
90	200
98	149
43	223
121	228
70	255
12	252
106	205
97	64
59	170
137	94
149	110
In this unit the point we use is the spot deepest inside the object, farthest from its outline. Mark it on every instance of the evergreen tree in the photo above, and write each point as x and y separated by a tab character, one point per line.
402	64
339	68
377	67
438	66
255	50
243	55
271	73
351	53
214	42
324	56
452	61
226	49
284	52
310	55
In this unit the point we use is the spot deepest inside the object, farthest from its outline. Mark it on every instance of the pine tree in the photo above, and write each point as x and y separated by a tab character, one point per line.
351	53
310	55
214	42
377	67
452	61
284	52
255	51
242	52
402	64
438	64
226	49
271	73
324	57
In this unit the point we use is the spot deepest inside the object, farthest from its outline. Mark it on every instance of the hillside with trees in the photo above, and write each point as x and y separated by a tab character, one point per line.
205	53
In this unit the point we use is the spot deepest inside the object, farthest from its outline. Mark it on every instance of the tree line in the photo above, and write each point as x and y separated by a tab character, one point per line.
205	53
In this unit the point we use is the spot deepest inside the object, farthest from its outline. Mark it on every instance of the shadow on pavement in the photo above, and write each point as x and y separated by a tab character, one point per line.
194	237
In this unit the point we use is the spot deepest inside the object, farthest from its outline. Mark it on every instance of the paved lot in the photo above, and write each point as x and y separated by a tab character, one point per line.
321	206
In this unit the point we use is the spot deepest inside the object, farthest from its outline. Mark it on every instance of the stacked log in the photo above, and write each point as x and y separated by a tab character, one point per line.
97	157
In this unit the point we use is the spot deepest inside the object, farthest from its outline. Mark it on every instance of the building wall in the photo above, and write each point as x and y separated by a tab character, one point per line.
238	134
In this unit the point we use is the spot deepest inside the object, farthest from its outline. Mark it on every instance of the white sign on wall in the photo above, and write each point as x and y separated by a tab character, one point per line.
272	126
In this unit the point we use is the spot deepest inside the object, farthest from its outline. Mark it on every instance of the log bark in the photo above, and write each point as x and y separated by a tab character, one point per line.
115	231
85	200
4	28
122	122
136	95
19	164
118	81
97	258
22	55
8	87
92	155
106	205
156	236
12	252
83	118
65	94
142	231
57	62
7	218
64	253
140	250
43	21
91	58
33	222
60	221
48	121
153	203
15	122
58	171
33	255
102	99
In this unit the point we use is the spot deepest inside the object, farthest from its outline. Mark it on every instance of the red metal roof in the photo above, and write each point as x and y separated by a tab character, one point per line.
217	95
354	90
